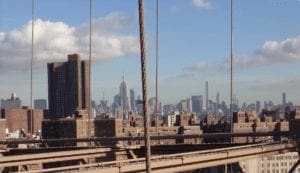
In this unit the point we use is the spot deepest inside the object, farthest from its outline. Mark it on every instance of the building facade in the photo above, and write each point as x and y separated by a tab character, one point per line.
132	100
68	87
40	104
12	103
17	119
66	128
281	163
197	104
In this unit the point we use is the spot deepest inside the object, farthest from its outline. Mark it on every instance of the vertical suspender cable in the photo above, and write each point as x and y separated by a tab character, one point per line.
156	68
144	85
90	69
231	70
31	70
231	62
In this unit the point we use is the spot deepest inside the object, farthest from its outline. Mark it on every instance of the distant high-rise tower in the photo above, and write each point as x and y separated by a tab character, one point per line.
40	104
124	100
258	106
218	99
197	104
182	106
188	105
206	96
283	99
13	102
132	100
68	87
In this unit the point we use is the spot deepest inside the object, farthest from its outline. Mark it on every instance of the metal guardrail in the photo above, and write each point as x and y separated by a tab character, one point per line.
140	138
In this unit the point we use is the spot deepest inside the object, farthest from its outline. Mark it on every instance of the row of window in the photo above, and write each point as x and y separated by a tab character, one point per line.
277	171
283	157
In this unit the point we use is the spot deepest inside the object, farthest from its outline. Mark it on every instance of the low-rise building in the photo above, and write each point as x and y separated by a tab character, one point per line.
114	127
21	119
248	122
2	131
65	128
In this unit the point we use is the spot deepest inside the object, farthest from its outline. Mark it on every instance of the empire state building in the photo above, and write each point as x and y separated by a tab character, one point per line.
124	99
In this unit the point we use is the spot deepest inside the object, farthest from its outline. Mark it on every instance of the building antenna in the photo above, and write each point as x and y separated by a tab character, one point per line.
144	85
31	68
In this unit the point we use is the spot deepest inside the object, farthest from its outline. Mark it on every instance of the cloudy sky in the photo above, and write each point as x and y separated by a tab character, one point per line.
193	46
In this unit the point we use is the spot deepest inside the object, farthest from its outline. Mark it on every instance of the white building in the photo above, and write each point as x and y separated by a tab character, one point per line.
281	163
171	119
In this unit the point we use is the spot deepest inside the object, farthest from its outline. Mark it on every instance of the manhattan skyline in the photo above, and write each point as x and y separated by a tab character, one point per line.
193	47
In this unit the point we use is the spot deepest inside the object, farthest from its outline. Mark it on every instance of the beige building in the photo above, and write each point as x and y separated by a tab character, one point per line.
171	120
244	122
2	132
281	163
112	127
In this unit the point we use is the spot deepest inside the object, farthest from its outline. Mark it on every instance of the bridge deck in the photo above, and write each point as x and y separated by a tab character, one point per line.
184	161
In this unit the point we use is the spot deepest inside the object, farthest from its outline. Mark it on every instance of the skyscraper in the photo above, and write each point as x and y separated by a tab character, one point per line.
182	106
197	104
206	96
188	105
40	104
68	87
13	102
283	99
124	100
258	107
132	100
218	99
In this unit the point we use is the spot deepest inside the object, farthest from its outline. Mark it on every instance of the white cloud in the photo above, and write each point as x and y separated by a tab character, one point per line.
270	53
204	4
54	40
201	66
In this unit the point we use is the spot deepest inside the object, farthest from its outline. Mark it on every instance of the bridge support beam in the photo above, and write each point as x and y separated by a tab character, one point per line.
292	170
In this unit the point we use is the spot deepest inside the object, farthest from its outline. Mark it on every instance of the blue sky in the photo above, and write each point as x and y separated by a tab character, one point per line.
193	46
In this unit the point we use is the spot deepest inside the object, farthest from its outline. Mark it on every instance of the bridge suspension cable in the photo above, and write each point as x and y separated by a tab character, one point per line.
231	74
31	67
89	108
144	85
231	63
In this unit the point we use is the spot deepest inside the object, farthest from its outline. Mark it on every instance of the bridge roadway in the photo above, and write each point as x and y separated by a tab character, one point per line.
183	161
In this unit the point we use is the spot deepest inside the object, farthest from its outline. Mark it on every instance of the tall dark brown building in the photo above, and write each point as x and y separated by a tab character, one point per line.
68	87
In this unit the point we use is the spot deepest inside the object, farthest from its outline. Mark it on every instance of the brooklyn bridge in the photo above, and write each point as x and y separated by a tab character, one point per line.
128	143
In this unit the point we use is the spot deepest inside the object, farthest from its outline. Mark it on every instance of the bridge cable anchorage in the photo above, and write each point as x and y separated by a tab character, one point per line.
31	67
144	85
